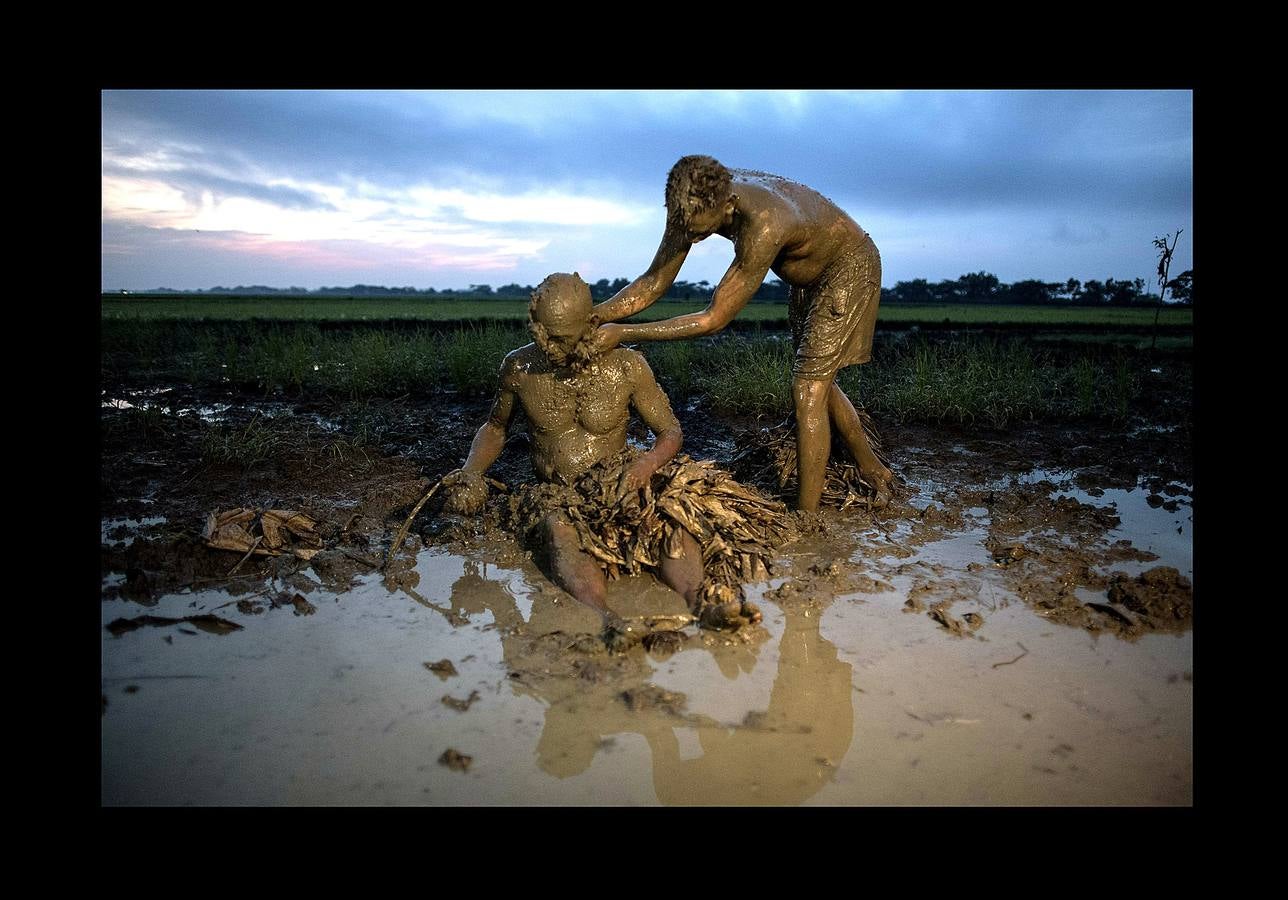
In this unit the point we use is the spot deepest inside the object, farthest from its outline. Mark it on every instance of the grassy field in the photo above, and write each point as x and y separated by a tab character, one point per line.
342	309
987	379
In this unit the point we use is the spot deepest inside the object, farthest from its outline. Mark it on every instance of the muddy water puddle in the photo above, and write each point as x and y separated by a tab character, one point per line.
1158	521
847	694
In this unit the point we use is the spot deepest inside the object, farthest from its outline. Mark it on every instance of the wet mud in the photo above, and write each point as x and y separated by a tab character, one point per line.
1000	557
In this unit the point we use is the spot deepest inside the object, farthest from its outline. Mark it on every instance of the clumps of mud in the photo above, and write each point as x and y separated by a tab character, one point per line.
1052	553
153	568
455	760
269	549
458	704
444	669
207	623
651	698
962	627
816	587
1161	598
936	596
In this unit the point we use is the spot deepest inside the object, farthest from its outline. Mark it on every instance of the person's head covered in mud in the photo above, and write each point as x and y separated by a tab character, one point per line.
699	195
561	321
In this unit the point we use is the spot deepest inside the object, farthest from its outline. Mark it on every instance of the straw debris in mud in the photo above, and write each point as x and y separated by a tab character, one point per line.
770	461
738	527
272	532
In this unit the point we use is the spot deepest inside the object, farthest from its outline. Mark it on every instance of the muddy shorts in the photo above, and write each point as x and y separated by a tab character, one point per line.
834	318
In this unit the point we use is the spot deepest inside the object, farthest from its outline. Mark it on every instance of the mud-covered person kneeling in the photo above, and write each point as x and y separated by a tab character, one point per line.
578	407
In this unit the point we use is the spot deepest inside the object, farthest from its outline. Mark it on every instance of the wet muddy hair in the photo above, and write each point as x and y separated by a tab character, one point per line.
696	183
580	354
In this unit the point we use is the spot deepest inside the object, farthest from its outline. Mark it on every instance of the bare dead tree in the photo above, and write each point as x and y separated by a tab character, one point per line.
1165	251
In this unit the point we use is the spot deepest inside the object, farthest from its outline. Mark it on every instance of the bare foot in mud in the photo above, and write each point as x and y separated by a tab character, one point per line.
883	482
729	616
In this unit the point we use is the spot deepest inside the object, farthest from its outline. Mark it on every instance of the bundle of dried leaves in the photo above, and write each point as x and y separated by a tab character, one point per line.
738	527
770	461
270	532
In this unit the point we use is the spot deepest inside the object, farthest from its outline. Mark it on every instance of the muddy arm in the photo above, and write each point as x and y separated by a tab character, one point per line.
644	291
654	407
751	263
466	490
489	440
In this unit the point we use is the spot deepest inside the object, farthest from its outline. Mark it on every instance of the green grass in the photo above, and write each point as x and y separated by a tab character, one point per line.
988	314
998	382
962	379
342	309
242	445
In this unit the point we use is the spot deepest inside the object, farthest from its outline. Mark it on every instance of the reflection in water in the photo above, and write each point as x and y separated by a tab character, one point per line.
783	755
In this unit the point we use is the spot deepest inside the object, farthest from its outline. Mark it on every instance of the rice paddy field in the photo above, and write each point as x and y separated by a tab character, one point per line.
358	309
1013	629
992	374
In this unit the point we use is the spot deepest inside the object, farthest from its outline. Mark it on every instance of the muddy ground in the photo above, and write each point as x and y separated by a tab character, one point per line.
1058	533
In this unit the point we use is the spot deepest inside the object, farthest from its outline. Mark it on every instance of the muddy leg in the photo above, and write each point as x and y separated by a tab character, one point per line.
813	439
576	572
684	576
846	419
572	568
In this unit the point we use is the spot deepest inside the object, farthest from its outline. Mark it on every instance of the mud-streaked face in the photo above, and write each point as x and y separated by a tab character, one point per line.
561	320
559	346
700	224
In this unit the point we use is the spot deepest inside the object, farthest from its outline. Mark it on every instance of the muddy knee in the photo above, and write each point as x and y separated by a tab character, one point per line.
684	574
810	397
573	569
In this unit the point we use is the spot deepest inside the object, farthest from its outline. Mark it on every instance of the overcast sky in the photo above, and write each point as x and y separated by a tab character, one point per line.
450	188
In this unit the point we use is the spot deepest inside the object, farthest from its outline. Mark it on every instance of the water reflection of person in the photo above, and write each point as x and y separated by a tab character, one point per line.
783	756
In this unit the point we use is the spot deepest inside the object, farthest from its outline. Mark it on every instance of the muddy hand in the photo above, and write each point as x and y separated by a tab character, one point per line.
633	478
466	492
606	337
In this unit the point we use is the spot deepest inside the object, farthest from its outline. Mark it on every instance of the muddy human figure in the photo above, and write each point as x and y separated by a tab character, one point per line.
577	402
834	272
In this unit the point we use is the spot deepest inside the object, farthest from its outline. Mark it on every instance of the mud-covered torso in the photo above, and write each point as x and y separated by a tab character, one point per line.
812	231
575	418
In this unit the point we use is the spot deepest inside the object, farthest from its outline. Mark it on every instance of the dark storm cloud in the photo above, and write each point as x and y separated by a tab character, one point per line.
954	149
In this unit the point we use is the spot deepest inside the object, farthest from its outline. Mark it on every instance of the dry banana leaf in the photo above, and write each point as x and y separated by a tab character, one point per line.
737	527
271	532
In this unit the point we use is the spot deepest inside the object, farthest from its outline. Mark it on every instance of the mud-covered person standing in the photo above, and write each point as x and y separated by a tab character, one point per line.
834	271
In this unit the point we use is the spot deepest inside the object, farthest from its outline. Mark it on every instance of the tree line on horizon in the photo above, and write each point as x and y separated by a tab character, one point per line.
977	287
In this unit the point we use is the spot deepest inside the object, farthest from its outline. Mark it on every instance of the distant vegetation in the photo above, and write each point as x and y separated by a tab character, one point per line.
768	315
976	288
1077	355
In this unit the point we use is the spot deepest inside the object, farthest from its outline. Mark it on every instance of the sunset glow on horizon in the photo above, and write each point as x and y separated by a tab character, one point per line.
445	189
